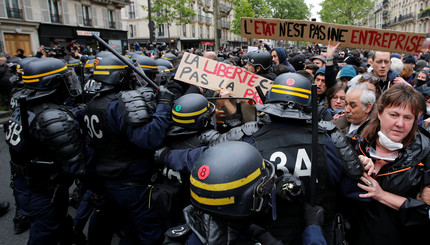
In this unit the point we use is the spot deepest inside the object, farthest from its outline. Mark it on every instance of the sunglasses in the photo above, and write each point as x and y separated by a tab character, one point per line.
368	77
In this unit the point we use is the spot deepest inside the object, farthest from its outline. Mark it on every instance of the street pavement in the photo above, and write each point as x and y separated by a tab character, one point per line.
7	235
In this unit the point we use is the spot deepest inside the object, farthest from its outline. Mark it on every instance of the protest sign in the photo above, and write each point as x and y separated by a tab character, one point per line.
212	74
349	36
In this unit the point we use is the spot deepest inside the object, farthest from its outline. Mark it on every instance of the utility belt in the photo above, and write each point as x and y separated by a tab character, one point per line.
36	172
41	179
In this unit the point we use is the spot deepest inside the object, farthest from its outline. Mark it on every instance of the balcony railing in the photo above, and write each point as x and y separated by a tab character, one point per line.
208	20
87	22
225	24
55	18
426	13
14	13
406	17
208	2
132	15
111	24
223	7
201	18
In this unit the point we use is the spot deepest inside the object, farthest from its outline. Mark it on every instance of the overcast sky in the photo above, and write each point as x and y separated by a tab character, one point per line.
315	9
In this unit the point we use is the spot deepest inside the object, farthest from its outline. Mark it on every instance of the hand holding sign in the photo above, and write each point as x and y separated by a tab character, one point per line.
214	75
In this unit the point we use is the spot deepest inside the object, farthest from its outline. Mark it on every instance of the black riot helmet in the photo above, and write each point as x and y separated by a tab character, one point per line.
192	111
260	58
76	65
109	69
21	64
170	57
231	179
166	63
163	75
148	65
49	74
89	66
288	97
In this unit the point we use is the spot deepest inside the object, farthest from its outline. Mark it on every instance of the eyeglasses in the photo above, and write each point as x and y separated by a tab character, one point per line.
368	77
338	97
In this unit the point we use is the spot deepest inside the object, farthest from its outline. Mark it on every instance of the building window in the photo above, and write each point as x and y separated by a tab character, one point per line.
132	12
131	30
111	19
13	10
86	15
161	30
208	32
201	32
184	30
193	31
53	10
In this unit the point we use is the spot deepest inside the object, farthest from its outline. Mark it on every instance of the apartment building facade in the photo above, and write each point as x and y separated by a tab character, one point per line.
200	33
28	24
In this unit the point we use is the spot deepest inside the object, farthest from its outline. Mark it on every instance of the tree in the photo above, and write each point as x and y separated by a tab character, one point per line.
171	12
344	11
289	9
248	8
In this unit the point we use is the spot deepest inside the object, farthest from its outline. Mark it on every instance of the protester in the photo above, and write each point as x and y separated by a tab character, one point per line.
359	102
336	99
387	206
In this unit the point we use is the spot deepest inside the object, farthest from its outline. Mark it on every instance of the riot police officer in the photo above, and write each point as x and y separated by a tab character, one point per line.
286	140
260	62
124	127
46	149
192	127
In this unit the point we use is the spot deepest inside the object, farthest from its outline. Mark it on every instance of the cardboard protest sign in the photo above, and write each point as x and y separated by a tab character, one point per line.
349	36
212	74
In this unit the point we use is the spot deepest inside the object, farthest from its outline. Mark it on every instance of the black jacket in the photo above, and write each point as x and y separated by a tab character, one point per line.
375	223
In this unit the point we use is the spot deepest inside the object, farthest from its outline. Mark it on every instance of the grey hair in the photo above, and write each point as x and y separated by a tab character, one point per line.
367	95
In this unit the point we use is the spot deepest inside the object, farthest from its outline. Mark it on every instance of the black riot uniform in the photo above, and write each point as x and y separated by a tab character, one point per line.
124	127
191	115
287	142
46	149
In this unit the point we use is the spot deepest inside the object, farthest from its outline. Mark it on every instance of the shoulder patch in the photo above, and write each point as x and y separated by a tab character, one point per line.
178	231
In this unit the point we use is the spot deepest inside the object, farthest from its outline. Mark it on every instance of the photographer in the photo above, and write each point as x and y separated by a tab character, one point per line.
75	49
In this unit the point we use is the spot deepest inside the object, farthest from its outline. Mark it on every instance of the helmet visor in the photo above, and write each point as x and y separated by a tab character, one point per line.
73	84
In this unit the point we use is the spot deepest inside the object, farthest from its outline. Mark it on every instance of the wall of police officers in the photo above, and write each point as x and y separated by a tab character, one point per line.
153	160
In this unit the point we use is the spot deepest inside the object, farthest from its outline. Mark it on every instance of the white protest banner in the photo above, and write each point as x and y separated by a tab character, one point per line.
319	32
212	74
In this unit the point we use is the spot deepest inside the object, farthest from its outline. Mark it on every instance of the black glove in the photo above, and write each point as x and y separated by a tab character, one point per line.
259	234
289	187
314	215
160	154
165	96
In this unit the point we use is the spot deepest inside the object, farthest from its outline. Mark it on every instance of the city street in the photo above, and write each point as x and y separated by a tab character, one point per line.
7	235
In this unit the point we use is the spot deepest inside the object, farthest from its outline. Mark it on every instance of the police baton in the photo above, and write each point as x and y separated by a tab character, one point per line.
126	61
314	103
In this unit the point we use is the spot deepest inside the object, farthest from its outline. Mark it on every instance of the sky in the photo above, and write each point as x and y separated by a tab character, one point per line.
315	9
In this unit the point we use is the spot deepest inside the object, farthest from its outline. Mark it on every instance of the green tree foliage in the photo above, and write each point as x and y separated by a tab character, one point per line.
344	11
289	9
171	12
248	8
